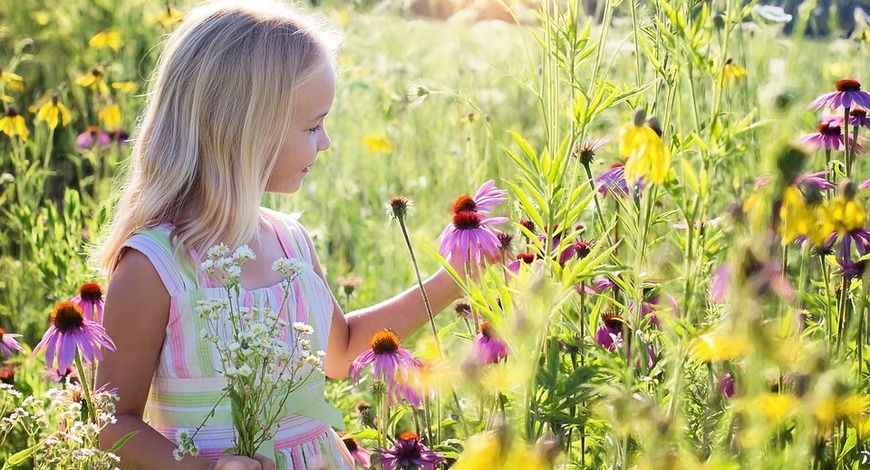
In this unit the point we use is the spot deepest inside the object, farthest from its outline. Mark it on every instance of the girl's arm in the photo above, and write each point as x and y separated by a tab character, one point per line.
404	314
135	316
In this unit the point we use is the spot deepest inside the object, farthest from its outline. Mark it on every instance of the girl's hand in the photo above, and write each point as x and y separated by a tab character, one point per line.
237	462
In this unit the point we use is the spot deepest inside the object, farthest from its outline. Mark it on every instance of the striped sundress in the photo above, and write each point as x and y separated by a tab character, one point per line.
187	382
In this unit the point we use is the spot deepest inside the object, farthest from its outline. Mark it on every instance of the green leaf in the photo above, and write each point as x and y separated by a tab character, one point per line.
120	442
21	456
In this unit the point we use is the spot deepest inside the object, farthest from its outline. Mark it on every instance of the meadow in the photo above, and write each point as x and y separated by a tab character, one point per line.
749	346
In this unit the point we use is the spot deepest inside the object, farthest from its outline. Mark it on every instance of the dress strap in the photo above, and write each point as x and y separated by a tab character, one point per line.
288	236
156	245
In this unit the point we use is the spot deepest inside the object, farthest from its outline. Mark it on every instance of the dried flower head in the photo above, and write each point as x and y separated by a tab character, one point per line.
398	207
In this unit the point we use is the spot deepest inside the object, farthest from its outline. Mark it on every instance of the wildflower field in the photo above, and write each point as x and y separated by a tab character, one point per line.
669	197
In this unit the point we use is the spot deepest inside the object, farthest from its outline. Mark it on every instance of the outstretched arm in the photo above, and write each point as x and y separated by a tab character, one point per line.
404	314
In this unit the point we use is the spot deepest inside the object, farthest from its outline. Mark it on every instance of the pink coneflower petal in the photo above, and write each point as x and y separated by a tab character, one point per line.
8	343
470	237
488	196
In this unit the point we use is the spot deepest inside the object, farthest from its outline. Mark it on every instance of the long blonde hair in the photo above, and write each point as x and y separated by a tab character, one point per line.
219	105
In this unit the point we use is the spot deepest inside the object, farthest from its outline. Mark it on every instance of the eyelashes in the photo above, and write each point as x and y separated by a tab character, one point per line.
316	128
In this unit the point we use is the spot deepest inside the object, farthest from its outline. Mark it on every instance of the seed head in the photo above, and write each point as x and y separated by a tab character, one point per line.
398	207
67	315
848	84
385	342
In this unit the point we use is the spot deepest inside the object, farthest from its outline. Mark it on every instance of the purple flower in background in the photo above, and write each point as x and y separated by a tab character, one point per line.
488	348
587	151
858	118
522	258
488	196
71	331
828	136
91	299
816	179
848	95
8	343
408	453
93	135
609	334
469	237
726	385
612	182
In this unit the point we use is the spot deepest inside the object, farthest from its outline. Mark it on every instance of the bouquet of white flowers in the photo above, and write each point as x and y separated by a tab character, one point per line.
262	360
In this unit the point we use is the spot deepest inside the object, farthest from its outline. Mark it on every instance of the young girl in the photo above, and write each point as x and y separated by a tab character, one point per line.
236	109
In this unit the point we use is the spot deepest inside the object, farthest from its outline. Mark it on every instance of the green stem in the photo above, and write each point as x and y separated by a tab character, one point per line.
91	414
429	313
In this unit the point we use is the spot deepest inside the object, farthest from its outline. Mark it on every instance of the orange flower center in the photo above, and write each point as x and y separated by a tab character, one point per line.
385	342
848	84
2	332
67	315
526	257
409	435
486	329
467	220
91	292
858	113
464	203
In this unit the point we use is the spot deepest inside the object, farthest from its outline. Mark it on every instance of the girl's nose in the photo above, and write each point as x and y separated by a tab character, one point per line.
324	142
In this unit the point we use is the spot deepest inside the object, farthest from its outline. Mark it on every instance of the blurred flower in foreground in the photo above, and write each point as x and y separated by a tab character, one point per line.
70	332
111	116
712	347
125	87
484	452
106	39
645	153
12	123
726	385
8	343
409	453
770	14
90	299
488	348
848	95
386	355
731	73
52	111
361	455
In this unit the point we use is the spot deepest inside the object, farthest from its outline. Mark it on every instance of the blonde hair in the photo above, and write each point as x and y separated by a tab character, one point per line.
219	105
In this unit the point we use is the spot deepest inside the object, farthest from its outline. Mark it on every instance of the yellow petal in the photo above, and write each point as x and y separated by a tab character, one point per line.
111	117
86	80
64	112
21	127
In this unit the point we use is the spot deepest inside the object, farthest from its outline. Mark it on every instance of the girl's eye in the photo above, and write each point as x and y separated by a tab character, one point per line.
316	128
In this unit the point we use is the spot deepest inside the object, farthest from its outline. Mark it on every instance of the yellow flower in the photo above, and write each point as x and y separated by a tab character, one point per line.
111	117
166	17
12	124
645	153
795	217
777	406
483	452
377	144
717	347
94	80
470	117
106	39
51	111
731	73
838	214
125	87
13	81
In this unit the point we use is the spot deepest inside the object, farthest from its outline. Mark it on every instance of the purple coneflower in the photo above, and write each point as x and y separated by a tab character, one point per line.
488	348
609	335
828	136
69	332
408	453
91	299
726	385
8	343
858	118
469	237
522	258
816	179
587	151
613	182
93	135
848	95
386	355
362	456
488	196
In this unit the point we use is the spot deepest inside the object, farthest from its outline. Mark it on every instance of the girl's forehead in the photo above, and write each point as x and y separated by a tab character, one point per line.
314	98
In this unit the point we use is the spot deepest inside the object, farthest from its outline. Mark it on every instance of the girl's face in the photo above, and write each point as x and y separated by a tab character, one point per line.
306	135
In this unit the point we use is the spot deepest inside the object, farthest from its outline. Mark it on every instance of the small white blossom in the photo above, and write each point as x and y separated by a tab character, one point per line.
243	254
